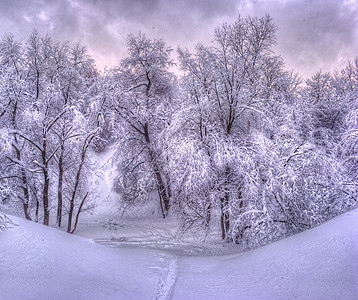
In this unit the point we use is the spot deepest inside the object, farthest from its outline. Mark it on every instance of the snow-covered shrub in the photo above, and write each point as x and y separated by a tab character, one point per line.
4	221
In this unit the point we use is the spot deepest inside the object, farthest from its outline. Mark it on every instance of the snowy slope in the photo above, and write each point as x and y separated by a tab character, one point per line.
37	262
321	263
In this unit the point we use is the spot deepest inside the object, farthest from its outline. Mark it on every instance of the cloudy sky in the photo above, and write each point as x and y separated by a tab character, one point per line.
312	35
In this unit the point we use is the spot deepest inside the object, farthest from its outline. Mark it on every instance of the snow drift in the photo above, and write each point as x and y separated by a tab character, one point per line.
38	262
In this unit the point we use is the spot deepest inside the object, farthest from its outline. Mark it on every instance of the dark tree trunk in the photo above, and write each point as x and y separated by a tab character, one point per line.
225	214
207	215
74	192
160	183
26	199
85	146
25	186
169	190
161	204
26	211
46	180
60	187
78	213
70	213
37	210
45	197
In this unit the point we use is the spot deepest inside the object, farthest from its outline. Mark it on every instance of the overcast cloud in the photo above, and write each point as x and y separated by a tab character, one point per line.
312	35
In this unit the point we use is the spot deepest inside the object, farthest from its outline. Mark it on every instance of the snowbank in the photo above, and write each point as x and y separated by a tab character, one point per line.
38	262
321	263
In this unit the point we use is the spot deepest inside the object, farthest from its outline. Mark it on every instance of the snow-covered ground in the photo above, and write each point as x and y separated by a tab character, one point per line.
321	263
114	224
135	254
38	262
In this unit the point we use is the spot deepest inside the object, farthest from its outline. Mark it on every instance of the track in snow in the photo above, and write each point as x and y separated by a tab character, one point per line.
168	276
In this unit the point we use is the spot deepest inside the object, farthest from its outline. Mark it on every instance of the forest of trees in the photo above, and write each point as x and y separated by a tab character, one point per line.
235	140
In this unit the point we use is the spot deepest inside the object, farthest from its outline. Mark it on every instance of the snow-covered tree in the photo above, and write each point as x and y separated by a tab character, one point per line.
14	173
347	85
238	140
46	99
229	86
4	220
305	180
141	101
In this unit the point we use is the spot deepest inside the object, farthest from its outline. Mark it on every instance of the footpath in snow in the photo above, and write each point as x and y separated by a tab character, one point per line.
37	262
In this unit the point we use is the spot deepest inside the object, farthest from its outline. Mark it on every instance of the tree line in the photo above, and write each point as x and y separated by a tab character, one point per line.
236	140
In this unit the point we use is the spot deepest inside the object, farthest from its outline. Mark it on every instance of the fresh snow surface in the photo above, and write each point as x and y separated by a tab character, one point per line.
38	262
321	263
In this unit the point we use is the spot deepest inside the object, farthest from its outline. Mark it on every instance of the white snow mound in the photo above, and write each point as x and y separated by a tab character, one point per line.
37	262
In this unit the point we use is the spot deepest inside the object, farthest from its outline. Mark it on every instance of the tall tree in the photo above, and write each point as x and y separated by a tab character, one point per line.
48	110
142	103
227	79
13	103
